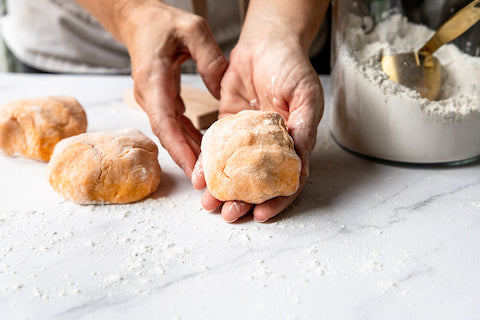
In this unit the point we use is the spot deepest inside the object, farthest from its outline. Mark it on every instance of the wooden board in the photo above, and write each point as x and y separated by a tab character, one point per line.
200	106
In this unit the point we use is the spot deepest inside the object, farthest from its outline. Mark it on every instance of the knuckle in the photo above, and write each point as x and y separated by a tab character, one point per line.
217	64
195	24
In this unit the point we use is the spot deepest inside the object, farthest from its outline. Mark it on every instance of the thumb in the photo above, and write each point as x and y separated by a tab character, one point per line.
302	126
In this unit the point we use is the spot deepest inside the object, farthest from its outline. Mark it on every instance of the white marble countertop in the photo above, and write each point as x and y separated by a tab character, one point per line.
365	240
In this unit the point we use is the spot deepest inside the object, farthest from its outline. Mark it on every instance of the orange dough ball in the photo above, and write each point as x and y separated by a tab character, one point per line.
250	157
32	127
119	166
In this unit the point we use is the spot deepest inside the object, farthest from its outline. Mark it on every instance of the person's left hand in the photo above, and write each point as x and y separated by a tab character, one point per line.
273	75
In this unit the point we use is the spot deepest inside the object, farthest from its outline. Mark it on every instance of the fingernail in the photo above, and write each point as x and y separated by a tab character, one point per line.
231	221
307	170
261	221
196	181
306	164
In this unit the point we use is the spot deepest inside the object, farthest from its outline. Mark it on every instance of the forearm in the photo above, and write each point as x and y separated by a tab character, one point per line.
301	19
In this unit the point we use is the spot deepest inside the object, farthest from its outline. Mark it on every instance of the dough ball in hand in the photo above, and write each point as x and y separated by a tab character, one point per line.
250	157
32	127
119	166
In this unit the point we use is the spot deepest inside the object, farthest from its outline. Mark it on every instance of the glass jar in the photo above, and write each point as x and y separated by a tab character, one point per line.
374	116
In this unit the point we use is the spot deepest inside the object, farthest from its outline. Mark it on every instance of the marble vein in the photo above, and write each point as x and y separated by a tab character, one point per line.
335	250
423	203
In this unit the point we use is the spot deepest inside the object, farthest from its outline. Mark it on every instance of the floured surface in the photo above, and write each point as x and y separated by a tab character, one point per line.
364	240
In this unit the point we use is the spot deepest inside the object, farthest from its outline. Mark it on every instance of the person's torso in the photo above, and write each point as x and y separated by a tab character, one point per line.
61	36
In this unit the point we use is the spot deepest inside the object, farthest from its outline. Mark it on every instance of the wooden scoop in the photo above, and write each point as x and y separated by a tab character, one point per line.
422	71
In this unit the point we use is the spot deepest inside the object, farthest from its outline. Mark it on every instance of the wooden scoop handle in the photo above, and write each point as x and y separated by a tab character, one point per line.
455	26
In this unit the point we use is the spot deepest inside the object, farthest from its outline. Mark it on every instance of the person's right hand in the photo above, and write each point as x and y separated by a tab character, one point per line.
159	38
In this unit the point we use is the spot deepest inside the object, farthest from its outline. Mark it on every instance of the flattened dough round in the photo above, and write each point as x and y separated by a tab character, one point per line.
32	127
119	166
250	157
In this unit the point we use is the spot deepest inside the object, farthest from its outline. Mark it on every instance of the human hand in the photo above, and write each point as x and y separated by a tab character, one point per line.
273	73
159	39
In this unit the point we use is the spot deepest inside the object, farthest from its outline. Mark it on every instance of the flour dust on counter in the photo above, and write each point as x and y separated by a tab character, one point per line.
364	239
91	257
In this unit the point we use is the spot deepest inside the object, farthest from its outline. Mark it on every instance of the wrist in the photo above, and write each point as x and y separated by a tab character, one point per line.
130	15
113	15
271	33
123	17
297	20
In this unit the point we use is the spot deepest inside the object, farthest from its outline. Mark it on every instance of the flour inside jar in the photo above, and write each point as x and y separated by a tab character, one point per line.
375	116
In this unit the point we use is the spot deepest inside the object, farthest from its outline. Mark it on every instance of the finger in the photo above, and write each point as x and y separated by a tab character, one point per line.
167	129
304	138
198	176
209	202
193	142
159	97
191	135
190	129
305	113
232	210
210	61
271	208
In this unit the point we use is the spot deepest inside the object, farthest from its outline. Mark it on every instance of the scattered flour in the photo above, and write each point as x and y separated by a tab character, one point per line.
88	252
378	117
